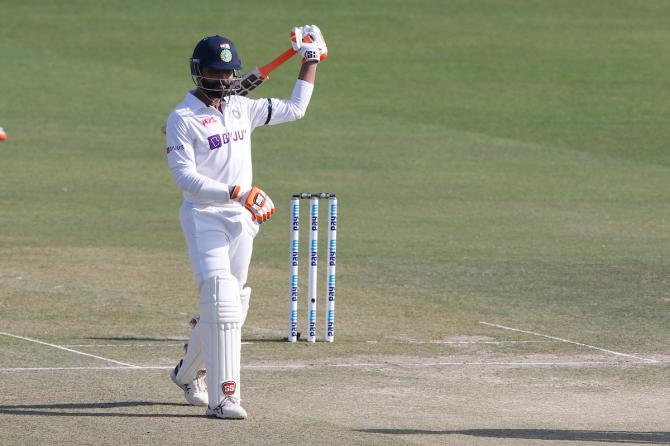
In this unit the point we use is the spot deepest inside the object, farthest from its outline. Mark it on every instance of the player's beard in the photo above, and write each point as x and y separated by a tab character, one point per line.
214	89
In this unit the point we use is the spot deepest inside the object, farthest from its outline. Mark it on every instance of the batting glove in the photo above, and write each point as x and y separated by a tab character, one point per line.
309	42
255	201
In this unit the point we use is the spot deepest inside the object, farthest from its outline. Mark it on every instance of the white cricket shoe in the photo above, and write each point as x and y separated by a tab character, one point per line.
230	409
195	391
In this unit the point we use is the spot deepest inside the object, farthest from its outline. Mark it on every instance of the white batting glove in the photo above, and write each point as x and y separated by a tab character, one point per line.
255	201
315	33
309	42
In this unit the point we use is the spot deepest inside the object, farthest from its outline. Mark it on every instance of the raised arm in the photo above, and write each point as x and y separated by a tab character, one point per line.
308	71
309	43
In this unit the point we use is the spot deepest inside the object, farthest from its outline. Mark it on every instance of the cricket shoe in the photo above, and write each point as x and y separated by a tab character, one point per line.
229	408
195	391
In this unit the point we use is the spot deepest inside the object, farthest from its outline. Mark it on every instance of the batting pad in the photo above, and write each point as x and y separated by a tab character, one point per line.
221	320
192	361
245	297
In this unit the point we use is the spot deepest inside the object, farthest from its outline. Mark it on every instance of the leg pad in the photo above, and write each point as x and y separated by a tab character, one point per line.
221	320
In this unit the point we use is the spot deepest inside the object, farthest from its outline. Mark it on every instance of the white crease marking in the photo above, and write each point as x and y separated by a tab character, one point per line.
518	330
60	347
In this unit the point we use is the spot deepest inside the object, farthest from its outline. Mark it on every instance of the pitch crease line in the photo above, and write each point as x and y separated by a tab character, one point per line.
518	330
52	369
60	347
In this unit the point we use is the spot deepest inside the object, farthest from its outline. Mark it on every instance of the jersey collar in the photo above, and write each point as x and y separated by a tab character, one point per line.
192	101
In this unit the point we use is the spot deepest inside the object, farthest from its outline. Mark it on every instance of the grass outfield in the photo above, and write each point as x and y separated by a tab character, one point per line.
504	240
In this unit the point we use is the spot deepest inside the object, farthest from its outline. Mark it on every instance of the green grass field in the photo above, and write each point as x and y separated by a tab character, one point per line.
503	176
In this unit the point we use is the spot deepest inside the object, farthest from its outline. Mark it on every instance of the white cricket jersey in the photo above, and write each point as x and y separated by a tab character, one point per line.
209	150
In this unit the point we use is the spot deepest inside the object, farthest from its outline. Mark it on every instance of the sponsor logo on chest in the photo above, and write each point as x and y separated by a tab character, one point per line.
218	140
208	120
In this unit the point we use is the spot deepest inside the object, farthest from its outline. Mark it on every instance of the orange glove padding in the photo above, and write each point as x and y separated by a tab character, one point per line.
255	201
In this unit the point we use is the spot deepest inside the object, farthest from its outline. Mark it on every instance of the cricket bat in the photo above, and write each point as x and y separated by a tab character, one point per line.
252	79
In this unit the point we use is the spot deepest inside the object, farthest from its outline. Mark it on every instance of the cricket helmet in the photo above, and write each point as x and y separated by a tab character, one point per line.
216	53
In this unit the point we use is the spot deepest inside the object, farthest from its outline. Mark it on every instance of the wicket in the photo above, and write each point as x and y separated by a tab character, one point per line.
313	265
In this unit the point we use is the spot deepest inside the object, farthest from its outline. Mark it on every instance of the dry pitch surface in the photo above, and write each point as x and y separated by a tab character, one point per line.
87	362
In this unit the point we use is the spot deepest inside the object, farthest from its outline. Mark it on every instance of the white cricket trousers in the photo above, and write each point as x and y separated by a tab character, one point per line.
220	240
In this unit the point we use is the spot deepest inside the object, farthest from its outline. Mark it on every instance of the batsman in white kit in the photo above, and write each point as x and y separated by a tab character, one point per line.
209	154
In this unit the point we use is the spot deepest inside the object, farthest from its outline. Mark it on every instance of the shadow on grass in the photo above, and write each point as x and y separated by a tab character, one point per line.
542	434
261	340
136	338
71	409
171	339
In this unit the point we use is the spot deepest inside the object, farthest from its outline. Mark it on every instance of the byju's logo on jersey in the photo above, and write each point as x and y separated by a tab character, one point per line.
214	142
169	149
